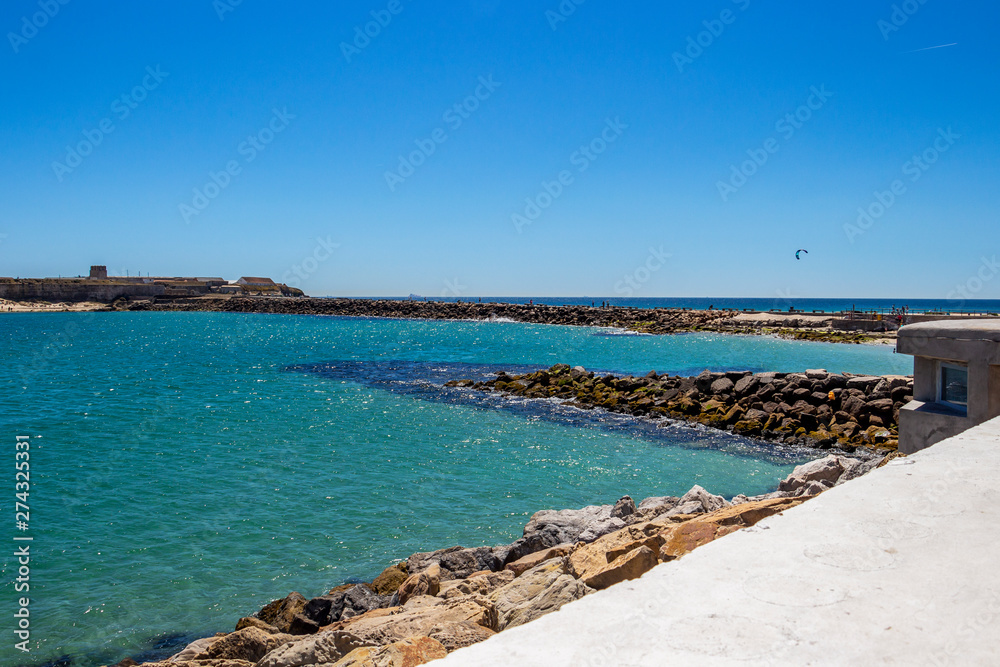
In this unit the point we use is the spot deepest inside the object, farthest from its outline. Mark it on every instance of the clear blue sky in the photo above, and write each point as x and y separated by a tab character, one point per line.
330	123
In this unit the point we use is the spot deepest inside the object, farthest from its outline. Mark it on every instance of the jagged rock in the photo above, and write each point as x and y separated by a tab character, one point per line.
482	583
281	613
456	562
827	469
427	582
331	608
522	565
623	508
406	653
537	592
251	622
389	581
698	500
200	663
600	528
459	635
419	617
683	538
549	528
630	565
326	647
195	648
657	505
249	644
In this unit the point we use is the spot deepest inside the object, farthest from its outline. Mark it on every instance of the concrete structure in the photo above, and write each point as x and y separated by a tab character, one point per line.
255	282
99	272
897	567
956	379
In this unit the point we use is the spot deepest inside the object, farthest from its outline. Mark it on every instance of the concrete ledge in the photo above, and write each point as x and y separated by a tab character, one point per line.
897	567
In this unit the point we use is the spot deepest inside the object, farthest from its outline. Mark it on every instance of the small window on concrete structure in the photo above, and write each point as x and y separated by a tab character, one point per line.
954	385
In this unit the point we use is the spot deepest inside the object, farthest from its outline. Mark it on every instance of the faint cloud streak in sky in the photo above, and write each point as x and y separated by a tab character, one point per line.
940	46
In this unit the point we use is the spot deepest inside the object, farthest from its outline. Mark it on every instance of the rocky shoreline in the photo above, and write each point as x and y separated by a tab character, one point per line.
422	608
639	320
813	409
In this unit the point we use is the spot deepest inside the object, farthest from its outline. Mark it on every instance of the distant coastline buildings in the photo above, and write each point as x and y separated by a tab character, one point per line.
99	286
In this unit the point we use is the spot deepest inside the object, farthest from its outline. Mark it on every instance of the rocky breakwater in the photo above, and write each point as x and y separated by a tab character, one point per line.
814	408
433	603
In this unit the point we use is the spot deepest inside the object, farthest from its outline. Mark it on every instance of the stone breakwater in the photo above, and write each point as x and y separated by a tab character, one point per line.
640	320
433	603
814	408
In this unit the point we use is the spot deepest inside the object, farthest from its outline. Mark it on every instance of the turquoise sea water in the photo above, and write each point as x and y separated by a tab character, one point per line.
189	467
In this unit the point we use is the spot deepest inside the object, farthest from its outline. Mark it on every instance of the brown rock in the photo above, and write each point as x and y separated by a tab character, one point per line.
281	613
250	644
630	565
522	565
419	617
427	582
460	635
406	653
482	583
537	592
389	581
251	622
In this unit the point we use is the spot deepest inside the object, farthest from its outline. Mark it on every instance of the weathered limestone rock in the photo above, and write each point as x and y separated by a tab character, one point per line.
537	592
420	617
698	500
600	528
687	536
522	565
427	582
406	653
325	647
630	565
482	583
195	648
827	469
251	622
331	608
249	644
281	613
624	508
459	635
456	562
389	581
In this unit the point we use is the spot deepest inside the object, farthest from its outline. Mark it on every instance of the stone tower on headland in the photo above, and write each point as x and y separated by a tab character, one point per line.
99	272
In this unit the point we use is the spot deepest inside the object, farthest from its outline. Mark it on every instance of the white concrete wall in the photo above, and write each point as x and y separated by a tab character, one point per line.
898	567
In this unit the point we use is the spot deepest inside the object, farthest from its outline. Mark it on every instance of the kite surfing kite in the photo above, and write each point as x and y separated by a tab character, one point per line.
799	252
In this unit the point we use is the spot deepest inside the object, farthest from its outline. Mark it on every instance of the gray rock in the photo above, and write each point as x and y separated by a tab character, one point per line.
698	500
816	374
578	372
746	385
455	562
623	508
326	647
196	647
334	607
722	386
600	528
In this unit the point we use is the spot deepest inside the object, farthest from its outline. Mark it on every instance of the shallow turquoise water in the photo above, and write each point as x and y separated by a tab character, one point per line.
188	468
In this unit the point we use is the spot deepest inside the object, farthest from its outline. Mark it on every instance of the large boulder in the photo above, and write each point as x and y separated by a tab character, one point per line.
683	538
323	648
698	500
537	592
629	565
281	613
549	528
456	562
482	583
195	648
388	582
824	472
249	644
420	617
331	608
522	565
406	653
427	582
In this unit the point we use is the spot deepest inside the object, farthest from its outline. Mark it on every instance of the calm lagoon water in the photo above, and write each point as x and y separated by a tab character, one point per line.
189	467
